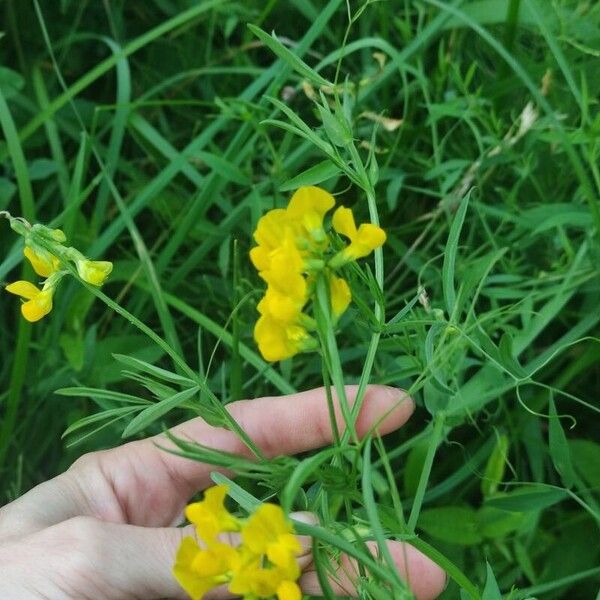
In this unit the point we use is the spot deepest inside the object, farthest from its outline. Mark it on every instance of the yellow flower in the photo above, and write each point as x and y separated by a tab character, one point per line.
285	270
94	271
253	581
268	235
39	302
44	264
282	307
269	532
210	515
362	240
199	570
340	295
278	340
307	207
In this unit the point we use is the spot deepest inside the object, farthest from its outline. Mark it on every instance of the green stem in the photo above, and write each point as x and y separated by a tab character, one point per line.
379	311
331	353
232	424
436	438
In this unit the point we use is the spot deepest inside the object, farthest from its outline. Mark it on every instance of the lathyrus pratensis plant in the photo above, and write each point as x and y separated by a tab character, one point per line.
50	258
299	259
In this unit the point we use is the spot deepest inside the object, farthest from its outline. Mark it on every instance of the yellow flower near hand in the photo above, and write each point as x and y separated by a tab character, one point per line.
94	272
362	240
210	515
254	581
43	263
269	532
278	340
199	570
39	302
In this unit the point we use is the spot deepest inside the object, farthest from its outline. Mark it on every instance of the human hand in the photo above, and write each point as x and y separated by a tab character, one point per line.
104	528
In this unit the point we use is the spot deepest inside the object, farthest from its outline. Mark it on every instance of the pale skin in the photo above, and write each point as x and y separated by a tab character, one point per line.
104	529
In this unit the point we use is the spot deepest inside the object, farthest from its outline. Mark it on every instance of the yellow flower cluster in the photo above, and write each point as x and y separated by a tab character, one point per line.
263	565
293	247
51	267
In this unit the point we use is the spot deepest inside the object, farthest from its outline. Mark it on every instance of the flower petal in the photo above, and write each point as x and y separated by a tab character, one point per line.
43	264
38	307
25	289
343	222
309	199
340	295
289	590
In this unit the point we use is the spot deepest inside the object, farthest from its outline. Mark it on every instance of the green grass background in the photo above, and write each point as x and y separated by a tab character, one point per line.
138	128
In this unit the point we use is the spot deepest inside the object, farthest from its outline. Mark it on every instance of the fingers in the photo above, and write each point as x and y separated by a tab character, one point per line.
287	425
425	578
152	486
141	484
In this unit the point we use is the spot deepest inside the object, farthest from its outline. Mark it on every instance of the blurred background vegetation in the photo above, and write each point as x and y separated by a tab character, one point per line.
136	128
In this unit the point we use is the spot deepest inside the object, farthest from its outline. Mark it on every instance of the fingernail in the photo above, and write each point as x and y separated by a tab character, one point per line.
305	517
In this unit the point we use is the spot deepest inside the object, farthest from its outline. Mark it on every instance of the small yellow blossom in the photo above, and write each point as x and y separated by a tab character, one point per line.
262	565
285	308
199	570
340	295
362	240
210	515
39	302
94	272
307	208
268	235
254	581
278	341
44	264
49	258
291	255
269	532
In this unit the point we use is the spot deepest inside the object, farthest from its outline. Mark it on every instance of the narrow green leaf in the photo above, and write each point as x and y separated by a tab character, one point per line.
535	497
316	174
448	274
494	468
491	591
154	412
559	447
140	365
451	524
288	56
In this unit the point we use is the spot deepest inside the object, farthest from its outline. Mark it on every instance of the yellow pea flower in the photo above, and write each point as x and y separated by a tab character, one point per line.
281	307
362	240
44	264
308	206
285	267
277	340
94	272
198	570
210	515
253	581
39	302
340	295
268	235
269	532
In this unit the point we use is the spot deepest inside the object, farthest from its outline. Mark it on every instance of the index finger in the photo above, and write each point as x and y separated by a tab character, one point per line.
278	426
